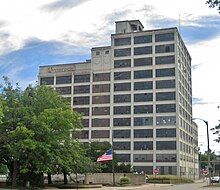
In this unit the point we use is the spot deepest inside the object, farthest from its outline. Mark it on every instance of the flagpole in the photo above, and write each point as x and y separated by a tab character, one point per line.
113	165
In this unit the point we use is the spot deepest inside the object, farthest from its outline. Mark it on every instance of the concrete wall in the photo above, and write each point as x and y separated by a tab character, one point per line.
107	178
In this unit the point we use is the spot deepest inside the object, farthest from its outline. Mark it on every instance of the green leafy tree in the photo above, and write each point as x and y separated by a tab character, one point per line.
203	159
214	4
216	132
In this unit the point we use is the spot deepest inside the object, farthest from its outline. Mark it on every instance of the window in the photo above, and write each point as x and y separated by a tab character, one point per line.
143	133
160	96
165	120
100	122
85	122
122	98
97	52
143	61
143	109
143	85
107	52
143	145
101	99
162	84
165	60
83	100
84	111
165	72
143	121
100	134
143	157
166	132
82	78
121	133
165	170
122	63
120	110
64	80
143	74
122	145
164	37
122	87
122	41
122	75
100	111
165	108
144	97
82	134
166	157
121	122
101	77
123	157
145	169
166	145
122	52
81	89
142	39
101	88
143	50
47	80
164	48
64	90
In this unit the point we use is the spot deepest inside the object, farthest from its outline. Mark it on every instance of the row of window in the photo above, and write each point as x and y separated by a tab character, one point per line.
164	170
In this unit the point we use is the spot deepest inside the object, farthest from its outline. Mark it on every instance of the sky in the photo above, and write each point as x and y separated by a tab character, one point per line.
44	32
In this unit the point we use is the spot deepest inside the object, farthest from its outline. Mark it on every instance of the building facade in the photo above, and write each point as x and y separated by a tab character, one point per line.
137	94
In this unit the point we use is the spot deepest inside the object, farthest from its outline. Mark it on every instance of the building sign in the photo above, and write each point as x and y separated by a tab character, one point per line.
60	69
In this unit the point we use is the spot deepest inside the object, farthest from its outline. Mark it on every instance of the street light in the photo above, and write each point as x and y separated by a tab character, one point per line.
208	153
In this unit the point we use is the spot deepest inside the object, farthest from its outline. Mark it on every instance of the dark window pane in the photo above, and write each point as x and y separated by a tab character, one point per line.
143	85
47	80
161	84
144	97
81	89
165	96
122	122
166	145
123	157
122	98
143	157
121	145
101	88
143	74
101	77
122	63
64	90
143	121
166	132
165	108
122	110
142	39
64	80
122	52
166	48
164	37
143	50
143	133
143	61
168	170
165	72
121	133
100	134
166	157
100	122
82	78
83	100
82	134
143	109
122	87
146	169
166	120
122	75
165	60
122	41
84	111
100	111
143	145
101	99
85	122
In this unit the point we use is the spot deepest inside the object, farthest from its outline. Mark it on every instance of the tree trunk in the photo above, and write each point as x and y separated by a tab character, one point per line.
65	177
49	178
14	174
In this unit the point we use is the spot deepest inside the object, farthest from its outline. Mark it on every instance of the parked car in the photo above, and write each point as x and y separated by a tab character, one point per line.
215	179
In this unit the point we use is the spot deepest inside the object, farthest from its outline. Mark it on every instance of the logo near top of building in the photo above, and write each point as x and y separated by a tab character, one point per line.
60	69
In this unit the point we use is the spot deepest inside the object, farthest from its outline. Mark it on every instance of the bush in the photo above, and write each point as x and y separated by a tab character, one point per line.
168	179
124	180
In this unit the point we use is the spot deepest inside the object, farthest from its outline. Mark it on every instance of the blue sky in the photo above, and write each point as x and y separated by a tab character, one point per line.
43	32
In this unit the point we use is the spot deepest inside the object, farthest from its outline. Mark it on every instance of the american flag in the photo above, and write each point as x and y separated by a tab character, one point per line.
105	157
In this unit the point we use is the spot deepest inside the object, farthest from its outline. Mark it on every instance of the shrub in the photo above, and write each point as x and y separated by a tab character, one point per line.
124	180
168	179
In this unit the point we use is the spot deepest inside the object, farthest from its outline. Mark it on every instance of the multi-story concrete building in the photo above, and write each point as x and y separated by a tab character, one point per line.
138	92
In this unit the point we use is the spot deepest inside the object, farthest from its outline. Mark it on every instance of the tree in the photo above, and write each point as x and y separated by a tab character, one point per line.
34	133
213	4
203	159
216	131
